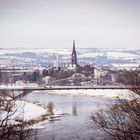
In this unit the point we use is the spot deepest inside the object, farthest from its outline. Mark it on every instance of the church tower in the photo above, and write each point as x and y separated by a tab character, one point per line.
74	55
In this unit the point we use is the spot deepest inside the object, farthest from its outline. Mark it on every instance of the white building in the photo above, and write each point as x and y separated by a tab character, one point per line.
47	79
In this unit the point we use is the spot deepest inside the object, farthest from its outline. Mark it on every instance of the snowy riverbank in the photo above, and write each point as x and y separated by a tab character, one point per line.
107	93
27	112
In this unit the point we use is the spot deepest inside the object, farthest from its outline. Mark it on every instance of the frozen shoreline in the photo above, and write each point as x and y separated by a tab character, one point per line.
29	113
107	93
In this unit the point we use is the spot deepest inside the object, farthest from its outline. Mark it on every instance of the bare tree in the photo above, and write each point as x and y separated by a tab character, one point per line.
122	119
11	129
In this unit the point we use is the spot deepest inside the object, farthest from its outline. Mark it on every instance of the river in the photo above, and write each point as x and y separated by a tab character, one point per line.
76	124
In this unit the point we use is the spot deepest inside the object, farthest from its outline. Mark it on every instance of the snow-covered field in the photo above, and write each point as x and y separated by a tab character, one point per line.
123	55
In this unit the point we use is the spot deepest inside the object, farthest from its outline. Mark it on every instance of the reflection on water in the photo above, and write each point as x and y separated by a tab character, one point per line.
50	107
74	109
77	125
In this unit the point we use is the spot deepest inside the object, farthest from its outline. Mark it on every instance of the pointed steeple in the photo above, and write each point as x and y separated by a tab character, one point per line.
73	45
74	55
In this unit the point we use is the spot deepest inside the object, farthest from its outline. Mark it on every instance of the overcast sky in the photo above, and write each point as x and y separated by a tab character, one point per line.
55	23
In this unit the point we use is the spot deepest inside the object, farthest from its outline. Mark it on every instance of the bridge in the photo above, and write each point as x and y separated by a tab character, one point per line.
32	88
71	83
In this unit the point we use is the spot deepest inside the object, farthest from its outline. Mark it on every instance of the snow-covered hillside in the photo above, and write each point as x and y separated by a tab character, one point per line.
85	56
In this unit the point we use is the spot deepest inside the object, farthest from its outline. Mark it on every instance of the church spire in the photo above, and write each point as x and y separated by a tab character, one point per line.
73	45
74	55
